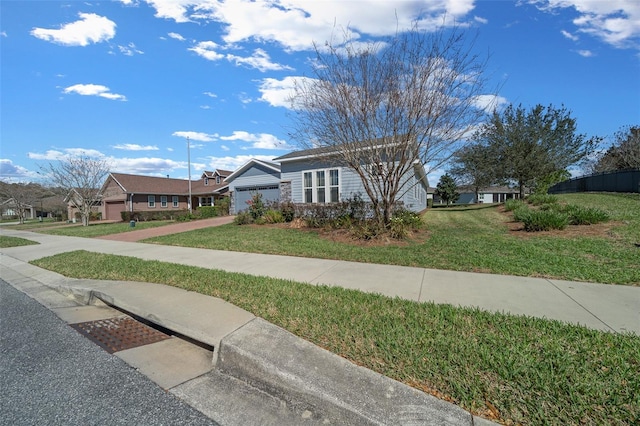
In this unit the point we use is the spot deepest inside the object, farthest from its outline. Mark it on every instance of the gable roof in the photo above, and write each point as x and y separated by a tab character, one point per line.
138	184
254	161
328	150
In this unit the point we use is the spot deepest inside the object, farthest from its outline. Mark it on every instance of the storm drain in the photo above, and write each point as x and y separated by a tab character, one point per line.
118	334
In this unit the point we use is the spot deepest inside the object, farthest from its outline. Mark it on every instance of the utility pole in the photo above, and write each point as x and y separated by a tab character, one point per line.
189	161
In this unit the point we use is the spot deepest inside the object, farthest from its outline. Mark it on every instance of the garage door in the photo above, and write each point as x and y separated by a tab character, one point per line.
244	194
112	210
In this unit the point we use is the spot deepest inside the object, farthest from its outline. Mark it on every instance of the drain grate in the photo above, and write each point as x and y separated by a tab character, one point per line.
118	334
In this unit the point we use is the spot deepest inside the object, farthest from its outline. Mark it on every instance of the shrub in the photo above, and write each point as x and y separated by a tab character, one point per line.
222	206
521	213
273	216
585	215
256	206
538	199
408	218
207	211
243	218
513	204
288	210
540	220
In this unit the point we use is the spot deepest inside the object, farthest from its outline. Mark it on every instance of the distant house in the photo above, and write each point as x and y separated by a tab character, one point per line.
10	209
486	195
133	193
253	177
314	176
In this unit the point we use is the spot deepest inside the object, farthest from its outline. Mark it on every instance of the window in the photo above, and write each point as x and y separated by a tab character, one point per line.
174	198
163	201
334	186
206	181
151	200
308	187
218	180
321	186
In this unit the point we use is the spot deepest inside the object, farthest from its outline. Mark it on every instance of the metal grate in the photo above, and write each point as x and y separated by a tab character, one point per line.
118	334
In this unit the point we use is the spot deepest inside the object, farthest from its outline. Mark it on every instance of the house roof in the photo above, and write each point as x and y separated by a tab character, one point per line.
272	166
328	150
497	189
138	184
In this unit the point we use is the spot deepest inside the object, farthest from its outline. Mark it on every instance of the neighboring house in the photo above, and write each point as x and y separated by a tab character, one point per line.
487	195
74	199
253	177
313	176
134	193
10	209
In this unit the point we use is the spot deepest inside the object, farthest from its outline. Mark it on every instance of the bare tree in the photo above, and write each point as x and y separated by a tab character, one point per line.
384	108
21	197
81	177
623	154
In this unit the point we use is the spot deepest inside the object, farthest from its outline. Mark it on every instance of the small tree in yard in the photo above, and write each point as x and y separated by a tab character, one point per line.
447	189
474	165
384	108
21	197
81	177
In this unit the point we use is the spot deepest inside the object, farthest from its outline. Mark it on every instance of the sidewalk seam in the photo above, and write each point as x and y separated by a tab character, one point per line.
583	307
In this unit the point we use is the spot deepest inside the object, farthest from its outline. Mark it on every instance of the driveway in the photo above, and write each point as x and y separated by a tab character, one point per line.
133	236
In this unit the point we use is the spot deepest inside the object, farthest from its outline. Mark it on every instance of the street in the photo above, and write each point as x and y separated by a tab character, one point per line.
50	374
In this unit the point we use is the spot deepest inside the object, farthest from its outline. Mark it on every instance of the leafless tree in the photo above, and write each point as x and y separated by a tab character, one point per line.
383	108
623	154
20	197
81	177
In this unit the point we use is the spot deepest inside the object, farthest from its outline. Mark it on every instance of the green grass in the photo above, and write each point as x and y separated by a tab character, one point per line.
470	238
100	229
6	242
532	371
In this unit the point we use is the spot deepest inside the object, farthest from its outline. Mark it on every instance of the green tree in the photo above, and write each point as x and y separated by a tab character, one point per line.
474	165
531	145
447	189
624	153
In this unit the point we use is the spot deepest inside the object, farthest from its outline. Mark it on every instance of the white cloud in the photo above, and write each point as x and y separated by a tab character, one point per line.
3	33
211	95
91	28
259	60
585	53
94	90
616	22
196	136
295	24
130	50
208	50
257	140
135	147
146	165
279	93
224	148
232	163
176	36
10	172
480	20
570	36
55	155
490	102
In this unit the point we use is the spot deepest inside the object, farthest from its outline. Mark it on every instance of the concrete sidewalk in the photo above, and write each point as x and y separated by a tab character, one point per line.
598	306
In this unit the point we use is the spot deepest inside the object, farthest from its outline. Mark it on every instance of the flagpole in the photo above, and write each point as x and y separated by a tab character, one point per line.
189	161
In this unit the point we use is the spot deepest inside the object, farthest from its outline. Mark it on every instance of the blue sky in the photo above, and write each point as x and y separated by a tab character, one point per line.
130	80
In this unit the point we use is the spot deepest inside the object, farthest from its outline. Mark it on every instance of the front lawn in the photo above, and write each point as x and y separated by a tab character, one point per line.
100	229
474	238
6	241
517	370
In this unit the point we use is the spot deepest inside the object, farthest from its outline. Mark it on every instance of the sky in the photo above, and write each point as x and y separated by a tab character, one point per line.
129	81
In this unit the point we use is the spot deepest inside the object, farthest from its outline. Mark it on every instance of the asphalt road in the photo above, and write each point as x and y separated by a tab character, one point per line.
51	375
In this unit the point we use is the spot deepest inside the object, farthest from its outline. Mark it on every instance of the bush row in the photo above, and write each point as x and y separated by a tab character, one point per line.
551	214
353	214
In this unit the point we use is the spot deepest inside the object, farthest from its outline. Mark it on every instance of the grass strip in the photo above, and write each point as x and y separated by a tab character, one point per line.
100	229
6	242
518	370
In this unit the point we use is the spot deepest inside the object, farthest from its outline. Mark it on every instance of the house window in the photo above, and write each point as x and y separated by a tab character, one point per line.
174	198
334	183
218	180
163	201
308	187
151	201
321	186
206	181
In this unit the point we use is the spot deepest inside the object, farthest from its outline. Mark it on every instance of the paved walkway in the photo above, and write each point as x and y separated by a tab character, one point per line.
598	306
141	234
